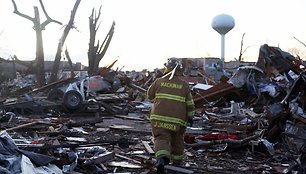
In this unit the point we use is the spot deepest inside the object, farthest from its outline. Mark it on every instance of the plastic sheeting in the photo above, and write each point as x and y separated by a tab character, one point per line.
11	156
27	167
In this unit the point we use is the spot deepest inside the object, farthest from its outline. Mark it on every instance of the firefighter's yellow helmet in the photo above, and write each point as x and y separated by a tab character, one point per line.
171	64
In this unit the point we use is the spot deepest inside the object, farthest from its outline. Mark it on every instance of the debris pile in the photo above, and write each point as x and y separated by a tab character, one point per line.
253	121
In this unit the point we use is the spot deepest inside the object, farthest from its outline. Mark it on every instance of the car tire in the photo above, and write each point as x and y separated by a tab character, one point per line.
73	100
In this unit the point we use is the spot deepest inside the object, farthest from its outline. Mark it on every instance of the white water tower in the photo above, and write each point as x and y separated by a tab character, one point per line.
223	23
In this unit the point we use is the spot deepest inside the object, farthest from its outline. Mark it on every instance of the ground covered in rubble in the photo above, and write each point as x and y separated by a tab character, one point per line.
124	136
252	121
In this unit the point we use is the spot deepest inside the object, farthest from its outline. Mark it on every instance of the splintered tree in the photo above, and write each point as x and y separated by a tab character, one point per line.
97	52
60	45
242	51
38	27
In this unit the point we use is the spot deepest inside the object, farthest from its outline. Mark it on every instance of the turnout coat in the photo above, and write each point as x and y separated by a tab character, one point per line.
173	105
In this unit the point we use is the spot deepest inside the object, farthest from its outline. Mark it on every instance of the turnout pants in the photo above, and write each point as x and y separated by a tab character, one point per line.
168	143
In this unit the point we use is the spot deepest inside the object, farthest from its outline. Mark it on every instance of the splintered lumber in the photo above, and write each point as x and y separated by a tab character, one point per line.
129	117
103	166
50	85
124	164
100	158
230	142
138	88
26	125
82	122
127	158
122	142
178	169
148	147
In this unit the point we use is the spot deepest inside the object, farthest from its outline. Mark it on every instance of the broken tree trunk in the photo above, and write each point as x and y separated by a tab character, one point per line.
62	41
38	27
97	52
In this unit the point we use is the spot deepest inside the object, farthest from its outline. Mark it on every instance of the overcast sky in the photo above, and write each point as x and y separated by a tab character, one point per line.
147	32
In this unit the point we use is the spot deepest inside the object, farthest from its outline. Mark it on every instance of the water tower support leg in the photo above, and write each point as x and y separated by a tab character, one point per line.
222	50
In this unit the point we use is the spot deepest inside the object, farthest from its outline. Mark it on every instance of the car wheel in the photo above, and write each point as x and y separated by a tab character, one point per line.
73	100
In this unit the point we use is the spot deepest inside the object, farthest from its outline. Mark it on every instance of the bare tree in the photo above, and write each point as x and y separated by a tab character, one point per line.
62	41
97	52
38	27
242	51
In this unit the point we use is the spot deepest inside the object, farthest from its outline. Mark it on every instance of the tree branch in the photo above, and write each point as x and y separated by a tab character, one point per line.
107	39
21	14
60	45
241	46
49	20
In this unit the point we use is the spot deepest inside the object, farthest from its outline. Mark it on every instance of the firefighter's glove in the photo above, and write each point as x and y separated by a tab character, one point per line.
190	122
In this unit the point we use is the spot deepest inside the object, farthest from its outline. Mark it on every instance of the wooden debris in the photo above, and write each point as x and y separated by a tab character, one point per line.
138	88
148	147
120	127
26	125
103	167
100	158
93	120
127	158
124	164
130	118
230	142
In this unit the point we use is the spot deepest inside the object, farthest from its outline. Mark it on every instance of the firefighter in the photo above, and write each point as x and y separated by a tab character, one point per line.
172	109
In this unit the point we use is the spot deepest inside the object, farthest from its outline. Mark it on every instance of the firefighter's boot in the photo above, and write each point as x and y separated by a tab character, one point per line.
160	164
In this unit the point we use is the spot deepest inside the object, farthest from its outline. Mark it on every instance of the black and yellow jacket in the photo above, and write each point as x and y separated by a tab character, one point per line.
172	102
